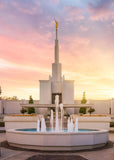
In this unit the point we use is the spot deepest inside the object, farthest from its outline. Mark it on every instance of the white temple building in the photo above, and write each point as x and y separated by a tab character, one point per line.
56	85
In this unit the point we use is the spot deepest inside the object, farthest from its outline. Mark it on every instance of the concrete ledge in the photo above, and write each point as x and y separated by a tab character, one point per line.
57	140
53	148
93	122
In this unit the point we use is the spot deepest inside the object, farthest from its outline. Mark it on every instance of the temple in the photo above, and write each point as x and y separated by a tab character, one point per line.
56	85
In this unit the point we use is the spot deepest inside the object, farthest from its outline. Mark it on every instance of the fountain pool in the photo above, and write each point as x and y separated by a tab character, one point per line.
49	130
57	141
57	138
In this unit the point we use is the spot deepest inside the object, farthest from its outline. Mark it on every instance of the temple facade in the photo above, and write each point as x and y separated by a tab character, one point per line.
56	85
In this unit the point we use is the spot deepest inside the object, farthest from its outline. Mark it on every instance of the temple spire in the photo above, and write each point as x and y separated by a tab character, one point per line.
56	29
56	44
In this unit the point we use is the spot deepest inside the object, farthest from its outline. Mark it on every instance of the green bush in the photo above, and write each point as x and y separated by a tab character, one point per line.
31	110
67	115
82	110
91	110
111	124
2	124
23	110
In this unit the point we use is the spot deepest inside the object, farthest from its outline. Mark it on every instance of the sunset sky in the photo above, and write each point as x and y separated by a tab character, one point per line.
86	44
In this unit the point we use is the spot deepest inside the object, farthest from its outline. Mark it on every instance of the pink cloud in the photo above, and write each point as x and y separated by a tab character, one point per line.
73	13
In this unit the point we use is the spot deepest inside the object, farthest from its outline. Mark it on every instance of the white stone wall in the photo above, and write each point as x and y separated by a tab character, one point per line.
56	87
101	106
112	106
56	71
0	106
69	110
68	92
11	107
90	122
45	92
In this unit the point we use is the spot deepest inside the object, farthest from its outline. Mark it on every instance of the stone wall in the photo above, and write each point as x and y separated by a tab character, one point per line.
101	107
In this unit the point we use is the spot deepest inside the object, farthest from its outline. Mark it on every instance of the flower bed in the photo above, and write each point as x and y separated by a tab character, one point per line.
21	115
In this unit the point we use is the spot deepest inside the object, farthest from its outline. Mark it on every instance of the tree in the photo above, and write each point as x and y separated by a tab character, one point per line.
0	90
82	110
91	110
10	98
83	101
14	98
31	100
31	109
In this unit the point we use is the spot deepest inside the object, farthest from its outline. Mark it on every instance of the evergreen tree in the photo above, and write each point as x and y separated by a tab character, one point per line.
31	109
83	101
31	100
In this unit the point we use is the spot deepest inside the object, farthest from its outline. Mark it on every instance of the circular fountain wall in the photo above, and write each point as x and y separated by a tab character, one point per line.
56	138
87	139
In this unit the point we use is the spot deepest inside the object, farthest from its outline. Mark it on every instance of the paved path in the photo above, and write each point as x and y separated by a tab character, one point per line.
104	154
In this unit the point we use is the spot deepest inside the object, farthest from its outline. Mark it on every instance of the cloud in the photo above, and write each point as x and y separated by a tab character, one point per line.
101	10
83	28
100	5
73	13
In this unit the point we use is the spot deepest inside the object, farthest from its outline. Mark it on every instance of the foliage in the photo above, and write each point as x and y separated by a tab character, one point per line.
2	124
0	90
82	110
31	110
66	115
10	98
83	101
111	124
31	100
91	110
23	110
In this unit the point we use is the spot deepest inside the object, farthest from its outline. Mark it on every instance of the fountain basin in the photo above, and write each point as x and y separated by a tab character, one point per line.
60	141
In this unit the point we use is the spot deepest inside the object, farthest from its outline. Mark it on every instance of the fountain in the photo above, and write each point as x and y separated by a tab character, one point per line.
71	138
51	120
57	120
43	125
38	125
76	125
61	107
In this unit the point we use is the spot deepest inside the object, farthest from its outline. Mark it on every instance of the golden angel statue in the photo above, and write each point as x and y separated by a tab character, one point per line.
56	24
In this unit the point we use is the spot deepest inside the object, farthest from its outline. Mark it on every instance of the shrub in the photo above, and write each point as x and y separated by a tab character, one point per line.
111	124
67	115
2	124
23	110
31	110
91	110
82	110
